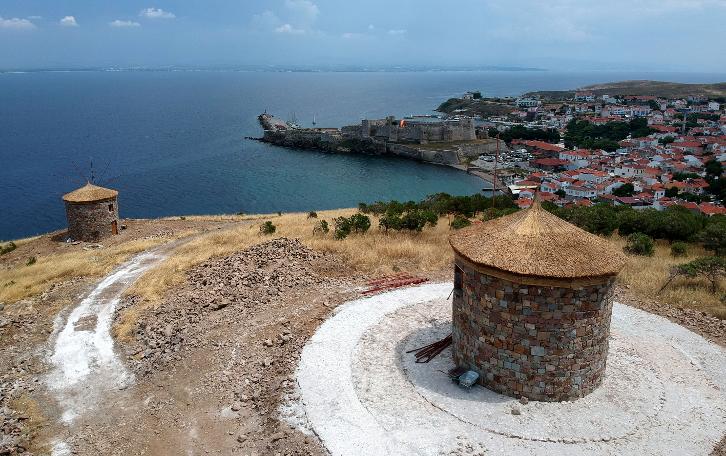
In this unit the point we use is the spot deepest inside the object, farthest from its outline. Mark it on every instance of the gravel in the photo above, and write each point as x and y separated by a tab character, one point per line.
362	395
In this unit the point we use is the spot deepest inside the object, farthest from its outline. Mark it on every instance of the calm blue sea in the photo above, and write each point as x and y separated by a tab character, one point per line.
173	143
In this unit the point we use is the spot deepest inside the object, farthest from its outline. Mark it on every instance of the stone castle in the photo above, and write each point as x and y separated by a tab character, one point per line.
412	131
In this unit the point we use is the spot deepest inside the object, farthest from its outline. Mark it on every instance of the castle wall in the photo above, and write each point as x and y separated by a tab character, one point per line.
92	221
546	343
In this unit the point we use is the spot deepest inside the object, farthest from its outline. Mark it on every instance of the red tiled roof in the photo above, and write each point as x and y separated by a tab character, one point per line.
543	145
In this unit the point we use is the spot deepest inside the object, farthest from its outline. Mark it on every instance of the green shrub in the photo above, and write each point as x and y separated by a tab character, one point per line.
713	236
460	222
679	249
343	227
267	228
312	214
360	222
31	261
390	221
321	227
7	248
639	244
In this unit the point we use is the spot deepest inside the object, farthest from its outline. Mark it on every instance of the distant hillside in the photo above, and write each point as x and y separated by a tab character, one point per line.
642	87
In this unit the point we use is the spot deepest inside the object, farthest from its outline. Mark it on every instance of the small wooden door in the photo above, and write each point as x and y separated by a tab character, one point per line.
114	227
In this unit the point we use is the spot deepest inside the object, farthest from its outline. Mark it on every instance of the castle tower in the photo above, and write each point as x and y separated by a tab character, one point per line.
532	305
92	212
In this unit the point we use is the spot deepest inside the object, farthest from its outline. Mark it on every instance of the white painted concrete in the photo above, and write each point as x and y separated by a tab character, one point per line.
84	363
662	394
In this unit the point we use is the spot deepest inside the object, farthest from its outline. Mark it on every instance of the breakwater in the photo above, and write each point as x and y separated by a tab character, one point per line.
451	150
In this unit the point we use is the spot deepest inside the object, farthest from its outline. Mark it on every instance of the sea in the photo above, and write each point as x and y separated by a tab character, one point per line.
173	142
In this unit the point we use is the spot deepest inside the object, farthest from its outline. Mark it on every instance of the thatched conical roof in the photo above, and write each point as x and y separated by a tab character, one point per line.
89	193
536	243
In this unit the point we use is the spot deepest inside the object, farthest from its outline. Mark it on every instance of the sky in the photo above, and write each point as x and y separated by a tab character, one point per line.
659	35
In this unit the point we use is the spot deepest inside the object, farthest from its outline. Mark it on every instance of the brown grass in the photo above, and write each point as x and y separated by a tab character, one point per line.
377	253
23	281
372	253
646	275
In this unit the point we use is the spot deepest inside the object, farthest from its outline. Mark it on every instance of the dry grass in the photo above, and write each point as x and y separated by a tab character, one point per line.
646	275
372	253
23	281
377	253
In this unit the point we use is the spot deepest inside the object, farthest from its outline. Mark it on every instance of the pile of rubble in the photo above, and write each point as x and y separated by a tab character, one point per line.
231	287
244	318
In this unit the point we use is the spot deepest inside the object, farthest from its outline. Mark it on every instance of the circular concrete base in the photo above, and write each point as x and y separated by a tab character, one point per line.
662	392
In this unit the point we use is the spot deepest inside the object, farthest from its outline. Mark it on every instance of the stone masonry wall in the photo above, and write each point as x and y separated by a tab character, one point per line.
91	221
543	342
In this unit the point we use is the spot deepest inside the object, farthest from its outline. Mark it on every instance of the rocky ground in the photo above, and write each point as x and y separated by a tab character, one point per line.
215	360
213	363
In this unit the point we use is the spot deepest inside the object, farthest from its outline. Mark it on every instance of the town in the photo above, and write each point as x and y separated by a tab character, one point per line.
642	151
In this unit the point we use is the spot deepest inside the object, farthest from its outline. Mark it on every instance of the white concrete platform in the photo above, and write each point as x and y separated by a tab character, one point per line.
363	395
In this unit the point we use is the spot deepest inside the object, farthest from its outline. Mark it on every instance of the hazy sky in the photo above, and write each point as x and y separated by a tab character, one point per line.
571	34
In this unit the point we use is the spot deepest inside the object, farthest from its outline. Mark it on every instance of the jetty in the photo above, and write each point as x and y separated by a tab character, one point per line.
455	143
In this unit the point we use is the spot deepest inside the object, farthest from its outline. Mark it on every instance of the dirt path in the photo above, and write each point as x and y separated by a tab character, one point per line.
85	364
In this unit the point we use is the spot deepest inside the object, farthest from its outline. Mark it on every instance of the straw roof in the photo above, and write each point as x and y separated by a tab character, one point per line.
89	193
536	243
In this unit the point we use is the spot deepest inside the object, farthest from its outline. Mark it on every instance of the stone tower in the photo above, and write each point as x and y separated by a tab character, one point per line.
92	213
532	305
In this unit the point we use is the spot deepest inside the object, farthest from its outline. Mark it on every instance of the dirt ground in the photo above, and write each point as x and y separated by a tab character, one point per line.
212	364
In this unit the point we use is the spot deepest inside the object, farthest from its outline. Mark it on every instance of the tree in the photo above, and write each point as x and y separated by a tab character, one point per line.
561	193
681	177
624	190
343	228
714	168
677	223
321	227
360	222
671	192
390	221
639	244
711	268
713	236
679	249
267	228
666	140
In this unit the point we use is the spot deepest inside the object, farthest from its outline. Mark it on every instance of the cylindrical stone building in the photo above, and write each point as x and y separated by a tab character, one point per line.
532	305
92	213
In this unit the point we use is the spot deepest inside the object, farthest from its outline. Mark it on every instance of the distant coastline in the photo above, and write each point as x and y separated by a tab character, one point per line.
274	69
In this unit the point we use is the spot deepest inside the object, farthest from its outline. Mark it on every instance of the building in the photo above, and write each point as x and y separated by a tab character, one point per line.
526	102
92	213
532	305
412	131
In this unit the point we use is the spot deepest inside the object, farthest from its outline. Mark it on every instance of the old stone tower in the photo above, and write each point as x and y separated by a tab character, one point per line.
92	213
532	305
